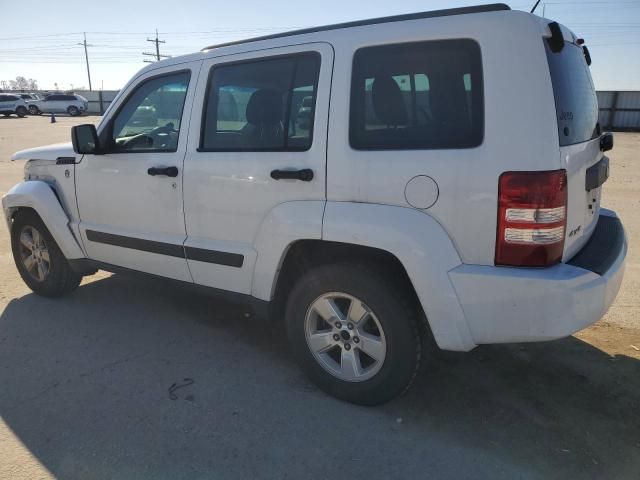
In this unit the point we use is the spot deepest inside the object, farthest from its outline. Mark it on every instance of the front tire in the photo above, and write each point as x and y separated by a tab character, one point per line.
73	111
354	333
21	112
41	264
33	110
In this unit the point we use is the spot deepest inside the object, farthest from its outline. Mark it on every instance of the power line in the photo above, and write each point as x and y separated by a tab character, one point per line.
157	54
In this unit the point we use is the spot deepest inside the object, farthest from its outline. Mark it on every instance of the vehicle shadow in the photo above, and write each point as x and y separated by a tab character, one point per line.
141	379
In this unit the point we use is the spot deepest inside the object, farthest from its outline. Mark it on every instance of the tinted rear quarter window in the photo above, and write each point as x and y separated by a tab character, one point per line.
262	105
574	94
422	95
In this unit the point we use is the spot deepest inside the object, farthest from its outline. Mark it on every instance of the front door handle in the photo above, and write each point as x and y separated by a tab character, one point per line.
306	174
165	171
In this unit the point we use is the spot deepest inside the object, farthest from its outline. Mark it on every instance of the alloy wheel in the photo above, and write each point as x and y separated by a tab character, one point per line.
34	253
345	337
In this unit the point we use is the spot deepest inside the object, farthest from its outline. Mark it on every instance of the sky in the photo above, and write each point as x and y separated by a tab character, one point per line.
46	46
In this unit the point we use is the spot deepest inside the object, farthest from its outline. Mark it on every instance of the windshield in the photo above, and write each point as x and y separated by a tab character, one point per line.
575	96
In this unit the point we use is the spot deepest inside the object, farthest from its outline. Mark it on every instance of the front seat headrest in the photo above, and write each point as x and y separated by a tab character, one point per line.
388	103
264	108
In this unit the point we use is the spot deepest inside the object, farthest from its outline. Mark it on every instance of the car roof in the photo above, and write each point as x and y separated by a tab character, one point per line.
493	7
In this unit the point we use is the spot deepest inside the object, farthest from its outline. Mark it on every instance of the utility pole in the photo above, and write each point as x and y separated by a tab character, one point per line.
86	56
157	54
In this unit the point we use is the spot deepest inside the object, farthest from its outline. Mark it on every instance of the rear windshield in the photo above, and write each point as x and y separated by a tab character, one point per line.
575	96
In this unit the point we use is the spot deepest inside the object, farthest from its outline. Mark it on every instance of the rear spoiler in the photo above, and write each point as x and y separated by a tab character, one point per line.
556	41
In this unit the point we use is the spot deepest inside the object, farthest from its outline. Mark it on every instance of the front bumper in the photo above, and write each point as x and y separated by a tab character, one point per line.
503	305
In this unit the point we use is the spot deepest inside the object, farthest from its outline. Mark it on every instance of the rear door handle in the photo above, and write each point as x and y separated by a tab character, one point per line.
164	171
306	174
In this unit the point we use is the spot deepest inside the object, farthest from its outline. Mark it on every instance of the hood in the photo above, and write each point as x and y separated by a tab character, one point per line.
48	152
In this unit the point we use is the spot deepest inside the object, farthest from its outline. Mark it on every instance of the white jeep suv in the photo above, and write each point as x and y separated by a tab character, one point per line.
59	103
377	184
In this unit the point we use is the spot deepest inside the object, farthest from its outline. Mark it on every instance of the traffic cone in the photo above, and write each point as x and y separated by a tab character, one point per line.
53	118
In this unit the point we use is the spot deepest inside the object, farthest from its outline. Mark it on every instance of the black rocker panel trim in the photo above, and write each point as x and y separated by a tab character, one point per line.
169	249
213	256
260	308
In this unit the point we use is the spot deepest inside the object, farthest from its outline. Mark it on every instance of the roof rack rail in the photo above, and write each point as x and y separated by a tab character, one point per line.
493	7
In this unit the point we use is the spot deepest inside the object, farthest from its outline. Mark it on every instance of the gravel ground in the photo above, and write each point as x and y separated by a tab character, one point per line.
84	383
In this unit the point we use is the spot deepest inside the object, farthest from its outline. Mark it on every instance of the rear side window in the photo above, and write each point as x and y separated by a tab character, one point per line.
575	96
264	105
423	95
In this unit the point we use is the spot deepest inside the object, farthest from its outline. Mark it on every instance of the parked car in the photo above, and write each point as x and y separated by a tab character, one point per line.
12	104
433	194
29	97
60	103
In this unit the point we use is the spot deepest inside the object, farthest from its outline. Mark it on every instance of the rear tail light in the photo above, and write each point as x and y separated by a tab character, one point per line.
532	215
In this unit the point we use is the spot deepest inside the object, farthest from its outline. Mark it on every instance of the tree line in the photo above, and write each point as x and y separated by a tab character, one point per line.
20	83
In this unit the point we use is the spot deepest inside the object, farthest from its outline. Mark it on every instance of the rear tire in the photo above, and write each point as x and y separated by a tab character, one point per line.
73	111
41	264
367	362
21	112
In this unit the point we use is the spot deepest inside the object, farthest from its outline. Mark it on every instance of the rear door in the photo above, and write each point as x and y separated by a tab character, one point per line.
579	134
258	114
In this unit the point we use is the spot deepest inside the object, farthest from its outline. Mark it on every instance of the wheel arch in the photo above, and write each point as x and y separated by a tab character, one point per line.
421	246
40	197
304	255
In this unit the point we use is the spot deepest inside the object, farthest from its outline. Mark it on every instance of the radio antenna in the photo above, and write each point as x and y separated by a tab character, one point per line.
535	6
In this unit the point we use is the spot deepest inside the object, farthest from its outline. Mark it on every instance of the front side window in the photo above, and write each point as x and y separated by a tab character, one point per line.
423	95
265	105
150	118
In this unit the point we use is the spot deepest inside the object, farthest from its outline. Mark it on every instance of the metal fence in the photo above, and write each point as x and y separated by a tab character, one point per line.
99	100
619	111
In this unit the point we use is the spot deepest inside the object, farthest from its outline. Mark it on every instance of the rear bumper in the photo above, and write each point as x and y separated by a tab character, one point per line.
503	305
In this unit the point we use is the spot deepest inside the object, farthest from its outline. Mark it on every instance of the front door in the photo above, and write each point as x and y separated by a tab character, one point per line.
259	142
130	198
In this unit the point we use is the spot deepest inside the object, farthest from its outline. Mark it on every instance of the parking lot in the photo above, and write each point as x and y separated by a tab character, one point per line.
85	380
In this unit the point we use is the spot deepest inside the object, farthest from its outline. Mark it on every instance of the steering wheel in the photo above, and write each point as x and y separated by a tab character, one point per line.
158	137
165	129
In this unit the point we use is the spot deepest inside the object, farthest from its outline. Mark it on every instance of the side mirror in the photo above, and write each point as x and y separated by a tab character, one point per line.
606	141
85	139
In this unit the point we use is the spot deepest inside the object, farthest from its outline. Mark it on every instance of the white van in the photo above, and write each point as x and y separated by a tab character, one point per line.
377	184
